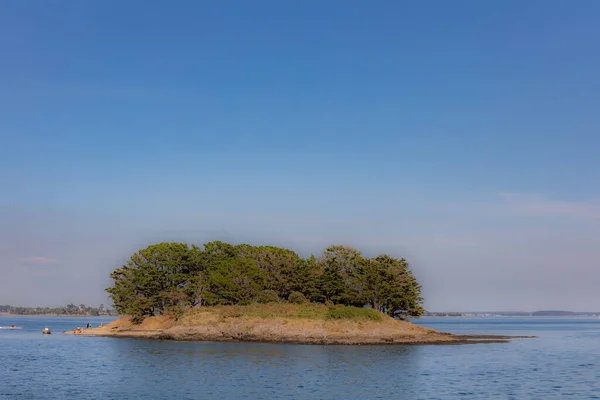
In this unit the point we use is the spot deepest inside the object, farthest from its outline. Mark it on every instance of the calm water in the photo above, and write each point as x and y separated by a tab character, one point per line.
563	363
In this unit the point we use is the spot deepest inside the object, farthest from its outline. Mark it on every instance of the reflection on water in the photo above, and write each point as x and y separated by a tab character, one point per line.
234	370
565	360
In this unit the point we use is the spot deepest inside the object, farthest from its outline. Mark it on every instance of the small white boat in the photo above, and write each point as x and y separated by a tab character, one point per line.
46	331
9	327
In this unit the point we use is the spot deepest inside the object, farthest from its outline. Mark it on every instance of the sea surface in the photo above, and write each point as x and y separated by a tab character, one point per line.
564	362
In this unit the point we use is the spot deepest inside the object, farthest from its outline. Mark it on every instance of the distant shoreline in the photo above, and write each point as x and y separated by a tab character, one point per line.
59	315
511	316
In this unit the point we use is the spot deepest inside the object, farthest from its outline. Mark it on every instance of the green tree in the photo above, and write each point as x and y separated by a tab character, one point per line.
153	280
277	266
235	281
306	279
338	281
196	278
210	272
170	277
267	296
297	298
387	284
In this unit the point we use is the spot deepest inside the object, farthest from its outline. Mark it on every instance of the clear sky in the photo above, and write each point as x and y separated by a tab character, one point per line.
463	136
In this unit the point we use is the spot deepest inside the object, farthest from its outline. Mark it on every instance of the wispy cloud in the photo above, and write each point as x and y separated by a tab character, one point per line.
37	260
536	204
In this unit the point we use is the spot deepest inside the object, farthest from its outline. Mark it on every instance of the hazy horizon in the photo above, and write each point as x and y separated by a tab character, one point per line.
461	136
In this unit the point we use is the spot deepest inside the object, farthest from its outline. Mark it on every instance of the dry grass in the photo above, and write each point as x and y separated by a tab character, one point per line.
151	323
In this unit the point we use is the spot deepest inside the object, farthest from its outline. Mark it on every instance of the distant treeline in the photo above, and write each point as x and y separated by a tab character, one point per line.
549	313
172	277
442	314
69	309
552	313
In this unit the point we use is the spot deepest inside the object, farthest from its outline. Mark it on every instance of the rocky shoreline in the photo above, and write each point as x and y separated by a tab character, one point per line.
287	330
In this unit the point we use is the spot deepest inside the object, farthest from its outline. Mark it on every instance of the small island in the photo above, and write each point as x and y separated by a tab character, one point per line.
224	292
285	323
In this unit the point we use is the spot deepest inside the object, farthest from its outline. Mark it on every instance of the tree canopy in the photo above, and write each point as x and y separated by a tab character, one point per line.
172	277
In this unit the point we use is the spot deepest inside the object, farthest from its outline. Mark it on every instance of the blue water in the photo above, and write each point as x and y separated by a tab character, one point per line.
564	362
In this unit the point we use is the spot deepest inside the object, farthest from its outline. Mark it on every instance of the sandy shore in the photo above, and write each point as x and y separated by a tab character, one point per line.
284	330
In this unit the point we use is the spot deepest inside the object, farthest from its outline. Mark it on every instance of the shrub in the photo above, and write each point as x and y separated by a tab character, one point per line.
297	298
311	311
267	296
344	312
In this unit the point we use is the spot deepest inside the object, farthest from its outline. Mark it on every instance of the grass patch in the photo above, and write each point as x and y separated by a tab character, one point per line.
273	310
353	313
309	311
231	312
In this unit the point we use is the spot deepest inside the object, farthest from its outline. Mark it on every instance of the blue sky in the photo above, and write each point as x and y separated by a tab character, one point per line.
460	135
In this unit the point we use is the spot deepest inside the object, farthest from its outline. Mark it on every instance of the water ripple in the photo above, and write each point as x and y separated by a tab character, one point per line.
562	363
